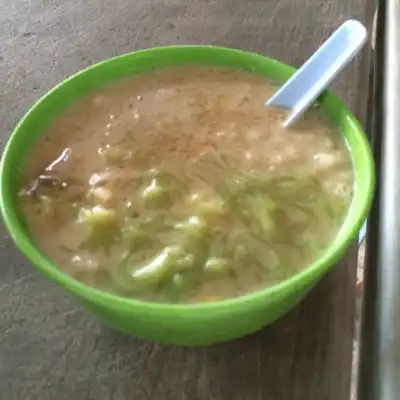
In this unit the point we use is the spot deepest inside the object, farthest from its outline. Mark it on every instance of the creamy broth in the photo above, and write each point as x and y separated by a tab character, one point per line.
179	185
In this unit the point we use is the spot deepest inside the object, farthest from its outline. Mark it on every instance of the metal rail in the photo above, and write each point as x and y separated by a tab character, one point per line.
379	367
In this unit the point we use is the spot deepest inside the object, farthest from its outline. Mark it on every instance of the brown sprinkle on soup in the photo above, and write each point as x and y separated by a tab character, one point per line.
179	185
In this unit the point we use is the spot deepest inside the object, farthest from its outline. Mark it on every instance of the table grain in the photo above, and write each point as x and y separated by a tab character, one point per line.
49	348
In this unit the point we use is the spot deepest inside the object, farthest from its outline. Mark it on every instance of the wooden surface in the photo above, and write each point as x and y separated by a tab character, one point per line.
50	350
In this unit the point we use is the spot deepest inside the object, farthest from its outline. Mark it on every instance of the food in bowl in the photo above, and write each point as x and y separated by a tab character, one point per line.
178	185
187	324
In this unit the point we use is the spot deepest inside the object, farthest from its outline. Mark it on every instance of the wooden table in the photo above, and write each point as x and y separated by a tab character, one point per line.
50	349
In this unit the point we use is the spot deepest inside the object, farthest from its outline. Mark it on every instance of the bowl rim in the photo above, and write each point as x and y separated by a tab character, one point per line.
308	276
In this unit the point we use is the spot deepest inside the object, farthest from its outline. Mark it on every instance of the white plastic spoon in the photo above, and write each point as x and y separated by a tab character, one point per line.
303	88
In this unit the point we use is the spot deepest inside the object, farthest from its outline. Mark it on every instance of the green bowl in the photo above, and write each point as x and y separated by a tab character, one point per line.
189	325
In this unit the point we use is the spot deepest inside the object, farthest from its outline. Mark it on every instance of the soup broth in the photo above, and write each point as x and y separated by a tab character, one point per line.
179	185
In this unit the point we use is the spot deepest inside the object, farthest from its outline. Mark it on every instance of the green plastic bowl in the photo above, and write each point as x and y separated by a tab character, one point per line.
190	325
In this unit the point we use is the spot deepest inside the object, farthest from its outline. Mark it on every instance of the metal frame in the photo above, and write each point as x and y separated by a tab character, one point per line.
379	367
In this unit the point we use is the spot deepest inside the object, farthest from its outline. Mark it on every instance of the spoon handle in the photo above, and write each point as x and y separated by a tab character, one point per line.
302	89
